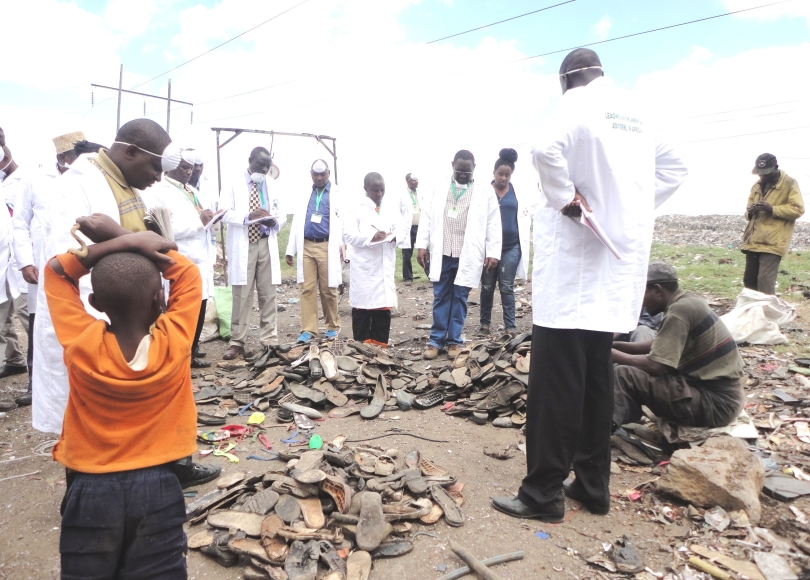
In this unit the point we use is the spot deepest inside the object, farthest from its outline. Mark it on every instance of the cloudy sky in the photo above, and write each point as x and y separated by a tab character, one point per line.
369	73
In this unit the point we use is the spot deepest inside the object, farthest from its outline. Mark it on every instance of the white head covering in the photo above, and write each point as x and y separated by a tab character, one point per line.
189	156
67	141
413	176
319	166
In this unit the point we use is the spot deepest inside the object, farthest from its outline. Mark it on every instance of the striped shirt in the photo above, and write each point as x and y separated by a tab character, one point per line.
454	227
694	341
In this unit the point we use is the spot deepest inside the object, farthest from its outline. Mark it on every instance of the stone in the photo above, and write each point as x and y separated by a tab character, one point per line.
720	473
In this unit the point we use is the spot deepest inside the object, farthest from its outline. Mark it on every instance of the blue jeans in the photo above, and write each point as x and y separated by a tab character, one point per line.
504	274
449	306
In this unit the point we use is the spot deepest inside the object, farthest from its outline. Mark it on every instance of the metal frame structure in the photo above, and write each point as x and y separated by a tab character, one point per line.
236	132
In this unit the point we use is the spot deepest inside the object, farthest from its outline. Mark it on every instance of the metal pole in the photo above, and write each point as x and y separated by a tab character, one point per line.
334	156
222	226
120	86
169	107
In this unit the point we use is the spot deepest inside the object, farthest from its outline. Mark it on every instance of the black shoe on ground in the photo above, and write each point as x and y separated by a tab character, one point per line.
198	353
9	370
199	364
512	506
191	474
576	493
24	400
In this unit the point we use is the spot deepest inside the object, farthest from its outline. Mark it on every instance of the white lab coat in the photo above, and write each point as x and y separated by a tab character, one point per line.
5	251
189	233
482	235
235	200
407	203
208	201
372	266
601	144
295	245
527	205
81	191
32	194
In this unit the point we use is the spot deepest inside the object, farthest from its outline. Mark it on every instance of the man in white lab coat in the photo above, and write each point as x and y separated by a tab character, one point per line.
600	155
252	248
373	230
413	200
33	197
189	218
459	234
315	237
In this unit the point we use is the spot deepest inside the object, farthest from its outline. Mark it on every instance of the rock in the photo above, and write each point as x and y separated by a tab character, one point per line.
720	473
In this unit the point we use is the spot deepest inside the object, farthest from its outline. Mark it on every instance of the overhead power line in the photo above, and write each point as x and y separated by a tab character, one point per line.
652	30
746	134
499	22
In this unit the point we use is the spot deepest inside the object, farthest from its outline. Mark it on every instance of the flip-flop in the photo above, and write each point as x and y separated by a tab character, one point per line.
299	564
430	469
377	402
371	528
334	396
460	377
516	341
248	547
523	363
428	400
329	364
249	523
303	422
304	392
312	512
274	546
309	460
358	565
346	410
333	561
295	408
433	516
452	512
288	508
339	491
214	436
230	479
347	363
461	358
201	539
262	503
393	549
210	419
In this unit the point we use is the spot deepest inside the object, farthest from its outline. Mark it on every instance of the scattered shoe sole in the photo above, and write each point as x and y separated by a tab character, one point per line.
358	565
371	527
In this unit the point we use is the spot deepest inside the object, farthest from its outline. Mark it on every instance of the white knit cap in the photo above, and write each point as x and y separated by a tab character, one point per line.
319	167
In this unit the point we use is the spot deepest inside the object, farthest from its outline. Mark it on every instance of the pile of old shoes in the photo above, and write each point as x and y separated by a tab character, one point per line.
326	515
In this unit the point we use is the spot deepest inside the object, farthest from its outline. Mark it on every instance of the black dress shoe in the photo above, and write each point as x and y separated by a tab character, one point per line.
198	354
576	493
512	506
191	474
9	370
199	364
24	400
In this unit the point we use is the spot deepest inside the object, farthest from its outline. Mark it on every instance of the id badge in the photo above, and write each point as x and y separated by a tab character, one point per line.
452	213
316	218
415	211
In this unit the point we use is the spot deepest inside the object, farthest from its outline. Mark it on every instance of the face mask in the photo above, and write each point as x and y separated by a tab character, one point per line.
258	177
3	173
2	154
170	158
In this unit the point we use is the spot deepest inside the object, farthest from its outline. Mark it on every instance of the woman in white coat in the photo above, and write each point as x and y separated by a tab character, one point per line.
372	232
515	228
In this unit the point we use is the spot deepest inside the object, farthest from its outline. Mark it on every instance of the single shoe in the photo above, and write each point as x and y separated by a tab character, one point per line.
484	330
331	333
431	352
233	352
409	282
191	474
25	399
305	337
511	330
9	370
198	353
199	364
512	506
453	351
315	366
575	492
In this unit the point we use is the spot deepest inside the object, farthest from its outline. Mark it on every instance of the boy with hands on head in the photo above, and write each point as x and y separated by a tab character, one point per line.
130	410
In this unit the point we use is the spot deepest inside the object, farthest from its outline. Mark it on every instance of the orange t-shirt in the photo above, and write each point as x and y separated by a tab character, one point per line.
118	419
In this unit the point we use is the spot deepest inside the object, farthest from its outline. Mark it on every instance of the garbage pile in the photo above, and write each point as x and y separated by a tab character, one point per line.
328	513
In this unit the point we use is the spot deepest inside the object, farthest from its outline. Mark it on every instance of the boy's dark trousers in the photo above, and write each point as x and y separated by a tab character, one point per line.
125	525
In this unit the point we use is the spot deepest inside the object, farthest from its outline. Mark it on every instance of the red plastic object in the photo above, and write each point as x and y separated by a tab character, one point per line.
235	430
265	441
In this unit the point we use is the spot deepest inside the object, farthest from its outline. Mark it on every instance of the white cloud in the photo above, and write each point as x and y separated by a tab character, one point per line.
602	28
129	18
792	9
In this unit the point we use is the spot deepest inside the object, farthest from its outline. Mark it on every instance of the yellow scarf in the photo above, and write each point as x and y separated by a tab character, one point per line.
131	209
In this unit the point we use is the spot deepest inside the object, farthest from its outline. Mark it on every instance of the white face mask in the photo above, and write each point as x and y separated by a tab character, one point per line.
3	173
170	158
258	177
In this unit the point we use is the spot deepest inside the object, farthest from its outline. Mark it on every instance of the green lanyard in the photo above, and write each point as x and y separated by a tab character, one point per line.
413	198
192	197
318	196
456	194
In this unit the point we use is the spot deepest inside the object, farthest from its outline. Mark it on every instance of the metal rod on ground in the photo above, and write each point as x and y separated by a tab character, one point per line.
475	565
487	562
21	475
120	88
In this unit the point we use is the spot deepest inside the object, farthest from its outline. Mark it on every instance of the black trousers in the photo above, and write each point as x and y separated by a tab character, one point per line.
407	254
29	357
761	270
123	525
373	324
569	415
200	322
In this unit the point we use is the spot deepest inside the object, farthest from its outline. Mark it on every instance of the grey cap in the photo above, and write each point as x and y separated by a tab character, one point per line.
659	272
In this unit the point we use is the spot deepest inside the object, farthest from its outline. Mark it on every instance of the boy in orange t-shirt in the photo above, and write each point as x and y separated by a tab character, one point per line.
130	410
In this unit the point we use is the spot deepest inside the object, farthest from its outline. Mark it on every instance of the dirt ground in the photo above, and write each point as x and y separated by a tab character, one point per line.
29	505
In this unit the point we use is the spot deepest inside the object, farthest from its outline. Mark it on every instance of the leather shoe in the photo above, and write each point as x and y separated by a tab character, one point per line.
24	400
512	506
233	352
575	492
198	353
9	370
199	364
190	474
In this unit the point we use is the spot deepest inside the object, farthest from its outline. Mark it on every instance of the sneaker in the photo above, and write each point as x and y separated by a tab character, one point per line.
191	474
430	353
331	333
305	337
453	351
